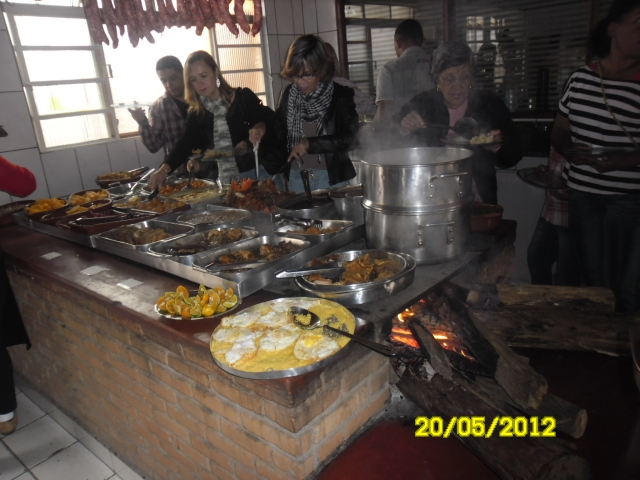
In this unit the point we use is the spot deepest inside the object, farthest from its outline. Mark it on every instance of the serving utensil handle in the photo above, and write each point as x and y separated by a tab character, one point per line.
376	347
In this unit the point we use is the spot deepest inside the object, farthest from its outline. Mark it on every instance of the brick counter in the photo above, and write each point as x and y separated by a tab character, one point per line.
148	389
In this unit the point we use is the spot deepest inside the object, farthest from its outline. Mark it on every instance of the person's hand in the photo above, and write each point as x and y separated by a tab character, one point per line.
613	163
193	164
575	149
157	179
410	123
494	148
138	115
242	148
257	132
299	150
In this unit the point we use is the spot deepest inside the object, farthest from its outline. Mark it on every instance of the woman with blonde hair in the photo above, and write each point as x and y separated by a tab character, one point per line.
222	118
316	122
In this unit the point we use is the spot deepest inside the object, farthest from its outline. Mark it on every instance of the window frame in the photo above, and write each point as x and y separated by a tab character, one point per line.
102	80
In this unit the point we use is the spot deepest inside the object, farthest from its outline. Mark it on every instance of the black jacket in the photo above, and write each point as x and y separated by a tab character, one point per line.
245	112
341	123
12	331
491	113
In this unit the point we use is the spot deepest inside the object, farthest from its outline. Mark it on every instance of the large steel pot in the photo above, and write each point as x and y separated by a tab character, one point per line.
324	210
348	203
429	237
417	179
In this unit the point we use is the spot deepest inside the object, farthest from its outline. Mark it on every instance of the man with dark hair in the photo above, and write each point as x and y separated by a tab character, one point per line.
402	79
168	113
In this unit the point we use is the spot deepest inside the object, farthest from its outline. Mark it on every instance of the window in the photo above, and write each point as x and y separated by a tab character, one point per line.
63	74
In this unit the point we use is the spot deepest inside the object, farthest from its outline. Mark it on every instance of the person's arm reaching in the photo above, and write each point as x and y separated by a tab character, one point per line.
152	130
15	180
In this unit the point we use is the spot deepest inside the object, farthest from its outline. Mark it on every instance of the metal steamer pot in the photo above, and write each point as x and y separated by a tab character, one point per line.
417	178
325	211
348	203
429	236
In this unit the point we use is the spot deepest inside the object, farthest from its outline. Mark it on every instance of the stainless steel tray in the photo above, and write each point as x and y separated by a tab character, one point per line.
297	231
364	292
190	218
362	329
264	271
174	229
161	248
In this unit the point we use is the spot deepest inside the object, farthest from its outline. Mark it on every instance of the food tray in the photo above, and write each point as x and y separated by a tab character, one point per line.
97	228
84	192
194	238
135	175
119	192
178	181
173	228
296	231
123	200
208	194
9	209
362	329
192	218
178	318
62	216
537	177
173	210
266	268
39	215
364	292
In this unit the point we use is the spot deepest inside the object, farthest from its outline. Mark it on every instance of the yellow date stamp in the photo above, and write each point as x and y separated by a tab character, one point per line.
479	427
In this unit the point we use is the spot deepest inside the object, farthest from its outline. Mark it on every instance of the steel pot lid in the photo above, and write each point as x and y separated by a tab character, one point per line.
417	156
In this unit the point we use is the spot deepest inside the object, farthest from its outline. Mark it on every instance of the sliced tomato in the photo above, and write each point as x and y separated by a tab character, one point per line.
244	186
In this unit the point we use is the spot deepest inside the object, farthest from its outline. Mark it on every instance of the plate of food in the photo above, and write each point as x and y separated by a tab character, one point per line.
541	177
481	140
88	196
176	186
263	342
7	210
116	178
41	207
66	215
198	304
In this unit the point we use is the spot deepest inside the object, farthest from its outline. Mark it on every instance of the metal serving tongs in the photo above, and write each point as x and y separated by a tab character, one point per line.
332	268
301	222
144	177
315	323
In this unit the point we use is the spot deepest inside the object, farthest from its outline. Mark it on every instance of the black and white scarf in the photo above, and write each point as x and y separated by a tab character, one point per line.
309	108
227	167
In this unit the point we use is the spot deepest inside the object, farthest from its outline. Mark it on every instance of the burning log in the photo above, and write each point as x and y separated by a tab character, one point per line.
511	458
431	349
523	384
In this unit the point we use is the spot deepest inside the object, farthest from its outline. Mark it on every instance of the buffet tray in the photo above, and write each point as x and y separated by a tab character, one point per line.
290	229
21	219
161	247
363	327
108	240
364	292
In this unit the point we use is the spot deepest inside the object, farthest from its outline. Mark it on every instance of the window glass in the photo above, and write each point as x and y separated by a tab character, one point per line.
246	58
55	99
59	65
356	33
74	130
252	80
52	31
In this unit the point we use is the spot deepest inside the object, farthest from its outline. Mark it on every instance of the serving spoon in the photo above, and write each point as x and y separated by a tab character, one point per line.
315	323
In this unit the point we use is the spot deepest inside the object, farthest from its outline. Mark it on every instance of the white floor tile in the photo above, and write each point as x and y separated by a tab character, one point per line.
115	477
128	474
27	411
75	462
40	400
98	450
64	421
26	476
118	465
10	466
38	441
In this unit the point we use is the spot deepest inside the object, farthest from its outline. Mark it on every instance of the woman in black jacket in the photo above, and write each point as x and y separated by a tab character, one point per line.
452	70
316	121
223	118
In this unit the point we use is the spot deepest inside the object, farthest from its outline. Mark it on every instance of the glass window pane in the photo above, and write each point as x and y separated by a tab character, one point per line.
356	33
225	37
353	11
72	130
54	66
252	80
245	58
59	3
263	98
377	11
360	72
357	52
67	98
54	32
401	12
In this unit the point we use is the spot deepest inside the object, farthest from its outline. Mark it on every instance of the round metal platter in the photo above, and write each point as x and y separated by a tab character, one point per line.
361	327
358	294
177	317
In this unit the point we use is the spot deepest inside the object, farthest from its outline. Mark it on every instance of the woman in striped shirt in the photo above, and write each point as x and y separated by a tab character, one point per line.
600	107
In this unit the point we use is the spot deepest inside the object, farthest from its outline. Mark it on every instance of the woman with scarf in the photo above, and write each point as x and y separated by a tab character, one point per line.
222	118
316	122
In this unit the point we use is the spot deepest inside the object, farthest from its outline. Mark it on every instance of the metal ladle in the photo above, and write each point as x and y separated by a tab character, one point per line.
315	323
304	174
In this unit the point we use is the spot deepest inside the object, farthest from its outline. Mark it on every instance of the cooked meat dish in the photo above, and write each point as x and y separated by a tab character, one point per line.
361	270
213	239
320	231
139	236
266	252
214	218
261	197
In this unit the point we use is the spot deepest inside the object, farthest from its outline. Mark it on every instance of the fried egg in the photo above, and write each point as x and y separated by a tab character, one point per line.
228	335
279	339
242	320
314	347
273	320
243	350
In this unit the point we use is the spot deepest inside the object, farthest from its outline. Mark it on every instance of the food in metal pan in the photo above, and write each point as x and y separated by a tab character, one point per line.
159	206
319	231
6	210
76	209
363	269
116	176
483	139
215	218
130	202
176	187
140	236
266	252
89	196
265	338
44	205
207	302
213	239
260	196
195	197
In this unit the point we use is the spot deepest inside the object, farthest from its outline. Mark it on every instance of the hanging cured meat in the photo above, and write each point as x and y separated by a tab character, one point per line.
226	17
215	9
196	15
207	14
163	13
153	17
257	17
95	21
238	8
110	20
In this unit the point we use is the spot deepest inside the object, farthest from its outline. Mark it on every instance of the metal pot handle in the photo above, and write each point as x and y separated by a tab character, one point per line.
443	224
448	175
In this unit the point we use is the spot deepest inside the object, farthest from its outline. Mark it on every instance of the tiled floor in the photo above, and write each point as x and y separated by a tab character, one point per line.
48	445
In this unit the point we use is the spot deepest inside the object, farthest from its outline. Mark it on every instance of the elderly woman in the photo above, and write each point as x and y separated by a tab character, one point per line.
316	122
600	108
452	70
222	118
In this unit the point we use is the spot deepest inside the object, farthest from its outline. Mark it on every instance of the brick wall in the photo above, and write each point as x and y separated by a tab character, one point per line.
166	410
